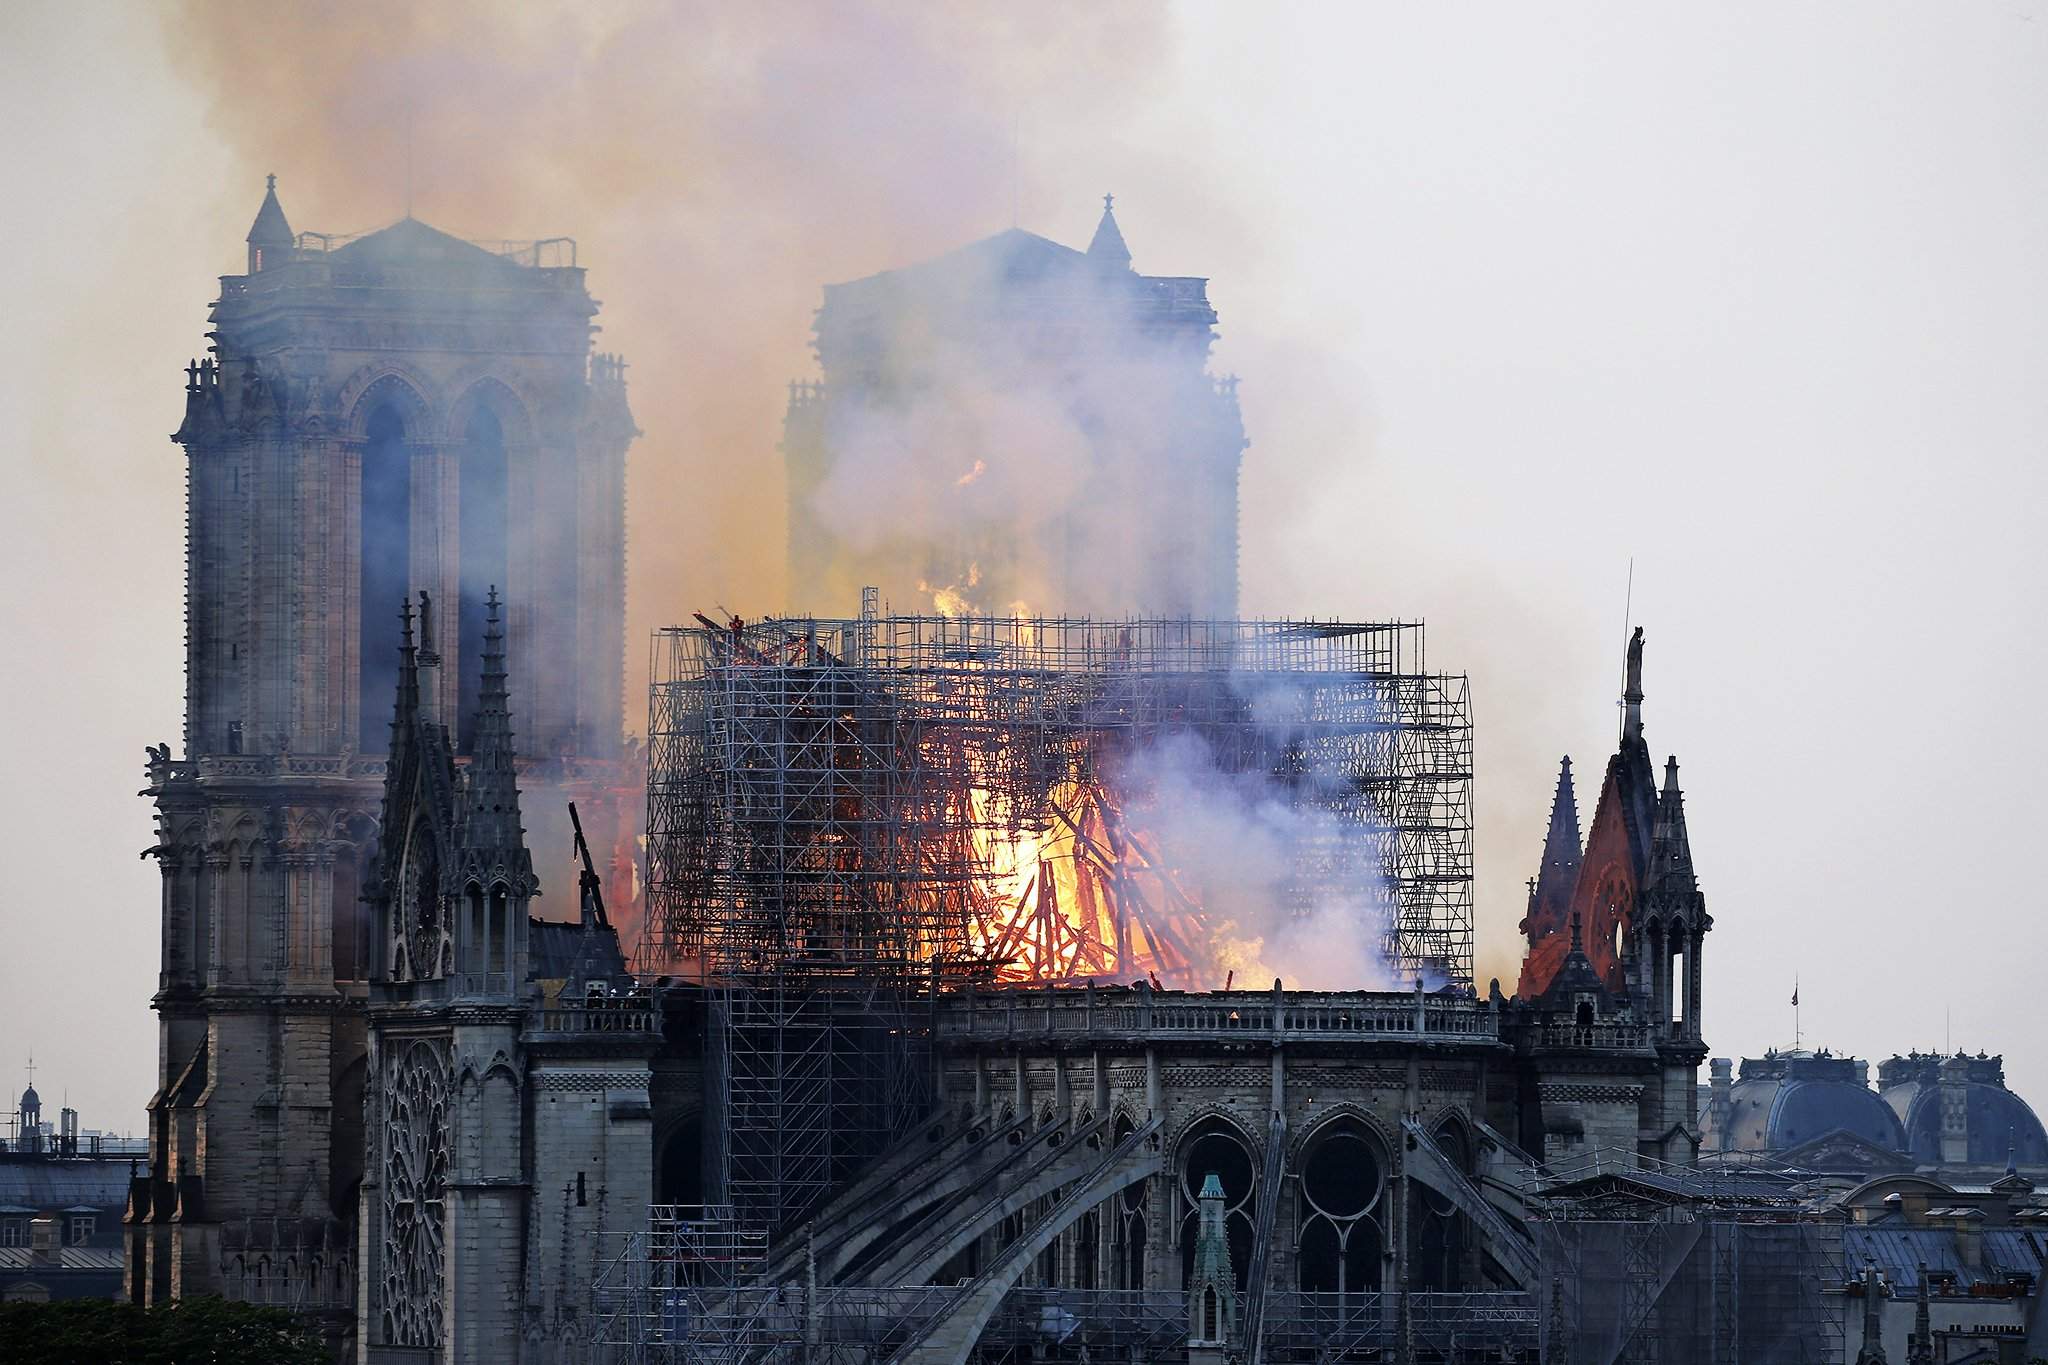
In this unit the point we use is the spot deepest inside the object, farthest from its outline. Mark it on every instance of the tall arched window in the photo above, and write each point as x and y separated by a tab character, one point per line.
1217	1146
386	506
483	540
1440	1231
1342	1211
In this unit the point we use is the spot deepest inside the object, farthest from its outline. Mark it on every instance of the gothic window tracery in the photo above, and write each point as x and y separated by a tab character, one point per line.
422	946
1341	1233
415	1193
1215	1146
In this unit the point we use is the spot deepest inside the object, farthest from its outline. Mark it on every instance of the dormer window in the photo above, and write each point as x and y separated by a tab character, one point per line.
13	1231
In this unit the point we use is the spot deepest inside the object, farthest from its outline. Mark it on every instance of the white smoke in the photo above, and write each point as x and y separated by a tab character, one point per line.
1290	880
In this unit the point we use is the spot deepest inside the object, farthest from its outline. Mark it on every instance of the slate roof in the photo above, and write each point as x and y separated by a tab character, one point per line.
69	1258
44	1185
1900	1251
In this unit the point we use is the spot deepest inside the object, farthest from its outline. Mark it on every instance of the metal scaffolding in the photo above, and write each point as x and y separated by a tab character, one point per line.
1687	1266
846	815
686	1289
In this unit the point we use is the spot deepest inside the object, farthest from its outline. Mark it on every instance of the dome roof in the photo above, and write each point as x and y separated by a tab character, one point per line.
30	1099
1789	1100
1997	1121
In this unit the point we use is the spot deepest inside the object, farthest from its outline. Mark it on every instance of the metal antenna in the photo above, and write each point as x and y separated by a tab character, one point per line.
408	151
1628	605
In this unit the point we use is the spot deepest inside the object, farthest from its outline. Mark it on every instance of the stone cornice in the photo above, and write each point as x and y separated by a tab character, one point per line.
217	1000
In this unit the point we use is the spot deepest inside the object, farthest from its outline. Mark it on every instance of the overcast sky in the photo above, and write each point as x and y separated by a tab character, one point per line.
1752	294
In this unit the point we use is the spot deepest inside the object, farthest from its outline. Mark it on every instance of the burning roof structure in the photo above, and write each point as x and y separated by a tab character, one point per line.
1023	799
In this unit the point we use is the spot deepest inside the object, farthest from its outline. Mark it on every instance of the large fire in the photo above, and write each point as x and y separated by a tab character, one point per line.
1075	893
1033	800
1066	890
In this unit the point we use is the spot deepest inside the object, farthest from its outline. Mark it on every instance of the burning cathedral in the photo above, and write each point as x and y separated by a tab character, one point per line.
1005	984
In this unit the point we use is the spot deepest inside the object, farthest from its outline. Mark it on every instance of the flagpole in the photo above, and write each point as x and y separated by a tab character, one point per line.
1795	1014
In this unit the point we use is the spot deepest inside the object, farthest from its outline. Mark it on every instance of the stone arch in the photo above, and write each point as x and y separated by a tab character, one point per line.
387	419
1342	1202
1298	1147
481	391
1240	1184
395	383
1202	1116
1455	1118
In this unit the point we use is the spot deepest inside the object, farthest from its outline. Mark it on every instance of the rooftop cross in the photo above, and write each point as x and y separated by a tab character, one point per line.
1108	202
269	182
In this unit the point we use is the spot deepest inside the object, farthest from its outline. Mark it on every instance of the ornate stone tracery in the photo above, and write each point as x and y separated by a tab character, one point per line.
422	947
415	1174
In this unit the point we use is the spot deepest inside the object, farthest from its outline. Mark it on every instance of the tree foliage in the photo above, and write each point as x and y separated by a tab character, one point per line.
188	1332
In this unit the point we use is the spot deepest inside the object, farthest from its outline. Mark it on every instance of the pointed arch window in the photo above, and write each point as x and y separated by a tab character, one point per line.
384	492
483	537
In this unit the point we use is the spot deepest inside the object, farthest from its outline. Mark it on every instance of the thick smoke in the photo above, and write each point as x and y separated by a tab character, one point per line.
1019	432
1250	847
1260	821
717	164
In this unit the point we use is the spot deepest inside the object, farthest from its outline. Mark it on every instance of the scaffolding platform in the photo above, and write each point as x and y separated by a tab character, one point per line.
848	816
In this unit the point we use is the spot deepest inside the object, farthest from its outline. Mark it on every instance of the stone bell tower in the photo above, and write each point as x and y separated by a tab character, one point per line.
376	416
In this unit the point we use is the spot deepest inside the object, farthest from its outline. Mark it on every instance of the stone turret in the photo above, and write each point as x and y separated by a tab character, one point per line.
1550	890
1107	248
270	236
1212	1288
1920	1345
1872	1350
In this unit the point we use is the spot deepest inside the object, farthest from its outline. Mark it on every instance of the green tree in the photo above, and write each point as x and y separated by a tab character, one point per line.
188	1332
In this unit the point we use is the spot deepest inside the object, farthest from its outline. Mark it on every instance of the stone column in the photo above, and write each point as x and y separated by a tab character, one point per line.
1693	984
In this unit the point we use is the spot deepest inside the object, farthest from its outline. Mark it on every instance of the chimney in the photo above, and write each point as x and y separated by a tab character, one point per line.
44	1242
1721	1104
1969	1228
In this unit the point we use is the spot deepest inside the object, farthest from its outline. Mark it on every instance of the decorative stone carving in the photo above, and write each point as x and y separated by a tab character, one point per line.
415	1183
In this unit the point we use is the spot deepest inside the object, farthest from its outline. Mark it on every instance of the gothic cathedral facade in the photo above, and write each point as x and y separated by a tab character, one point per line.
399	416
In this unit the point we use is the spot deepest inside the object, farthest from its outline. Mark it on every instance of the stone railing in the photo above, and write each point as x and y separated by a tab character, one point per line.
1088	1012
232	767
1599	1035
606	1018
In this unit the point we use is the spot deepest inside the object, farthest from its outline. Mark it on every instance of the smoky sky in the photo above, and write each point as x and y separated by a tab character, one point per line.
1750	295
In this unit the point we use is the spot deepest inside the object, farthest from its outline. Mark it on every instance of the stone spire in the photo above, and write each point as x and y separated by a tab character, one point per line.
491	823
1632	694
407	709
1671	867
1107	248
1550	891
1212	1287
1920	1346
270	232
1872	1350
